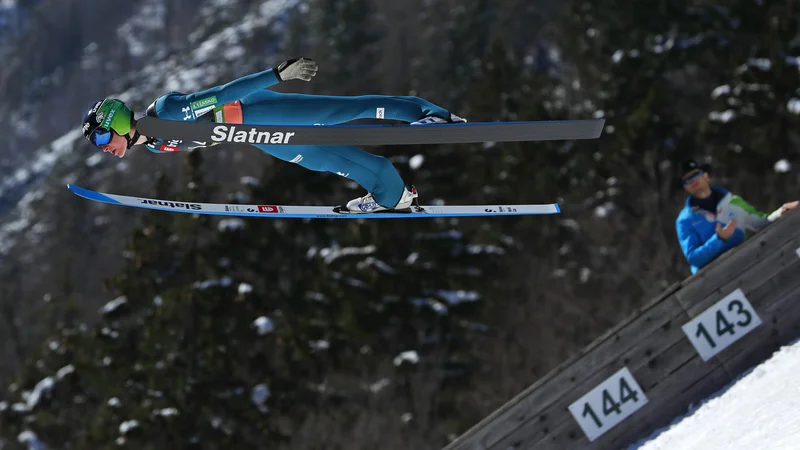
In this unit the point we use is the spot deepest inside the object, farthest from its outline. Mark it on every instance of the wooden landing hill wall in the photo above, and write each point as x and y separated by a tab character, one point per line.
688	343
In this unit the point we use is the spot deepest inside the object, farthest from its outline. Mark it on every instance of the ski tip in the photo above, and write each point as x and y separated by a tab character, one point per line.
558	208
90	195
79	191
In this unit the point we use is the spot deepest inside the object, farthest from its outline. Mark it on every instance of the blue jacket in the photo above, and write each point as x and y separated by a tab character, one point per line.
698	237
188	107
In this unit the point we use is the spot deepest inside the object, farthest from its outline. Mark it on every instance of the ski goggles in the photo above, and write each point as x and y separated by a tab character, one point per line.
692	178
100	137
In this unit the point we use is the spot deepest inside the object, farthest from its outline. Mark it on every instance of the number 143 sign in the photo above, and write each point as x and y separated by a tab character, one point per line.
722	324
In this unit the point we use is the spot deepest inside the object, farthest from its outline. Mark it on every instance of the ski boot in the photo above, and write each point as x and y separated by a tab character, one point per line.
434	119
367	203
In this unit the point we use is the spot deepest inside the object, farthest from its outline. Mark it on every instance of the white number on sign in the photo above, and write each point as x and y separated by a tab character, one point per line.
608	404
721	325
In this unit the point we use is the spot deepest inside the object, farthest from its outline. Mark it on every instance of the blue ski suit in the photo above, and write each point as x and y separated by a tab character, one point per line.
697	234
246	100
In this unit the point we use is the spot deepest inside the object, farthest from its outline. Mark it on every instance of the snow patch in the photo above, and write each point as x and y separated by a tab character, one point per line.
410	356
65	371
757	410
760	63
259	397
601	212
379	385
128	426
203	285
94	160
41	388
166	412
371	261
585	274
331	254
412	258
264	325
783	166
249	181
150	17
485	249
455	297
245	288
319	345
113	305
230	224
725	89
437	307
793	105
416	162
725	116
30	439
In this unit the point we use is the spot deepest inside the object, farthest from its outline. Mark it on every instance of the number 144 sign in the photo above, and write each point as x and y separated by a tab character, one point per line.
722	324
608	404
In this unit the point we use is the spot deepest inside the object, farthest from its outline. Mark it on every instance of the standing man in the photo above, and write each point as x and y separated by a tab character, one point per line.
714	220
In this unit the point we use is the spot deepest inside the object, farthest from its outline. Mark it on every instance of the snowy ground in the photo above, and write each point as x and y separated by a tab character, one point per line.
759	410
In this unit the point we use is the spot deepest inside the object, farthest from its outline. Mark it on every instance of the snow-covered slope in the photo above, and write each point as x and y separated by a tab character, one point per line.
218	53
759	410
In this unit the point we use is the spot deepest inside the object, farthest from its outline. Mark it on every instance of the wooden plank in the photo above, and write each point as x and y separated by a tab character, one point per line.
535	400
769	298
702	287
669	405
738	260
758	274
775	232
781	325
764	296
652	345
666	400
786	329
654	357
594	370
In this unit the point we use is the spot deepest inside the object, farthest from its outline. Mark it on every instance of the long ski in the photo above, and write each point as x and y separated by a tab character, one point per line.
327	212
371	134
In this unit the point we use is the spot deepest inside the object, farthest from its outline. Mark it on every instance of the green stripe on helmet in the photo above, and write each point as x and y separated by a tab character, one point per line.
114	115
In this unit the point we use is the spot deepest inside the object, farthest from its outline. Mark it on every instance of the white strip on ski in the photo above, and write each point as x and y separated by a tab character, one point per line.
327	212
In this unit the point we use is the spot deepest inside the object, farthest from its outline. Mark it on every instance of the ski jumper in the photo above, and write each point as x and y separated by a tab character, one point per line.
246	100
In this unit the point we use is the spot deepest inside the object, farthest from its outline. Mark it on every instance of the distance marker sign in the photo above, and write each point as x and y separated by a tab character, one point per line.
611	402
722	324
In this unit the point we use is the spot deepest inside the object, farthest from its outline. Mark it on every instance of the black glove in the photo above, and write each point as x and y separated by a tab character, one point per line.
302	68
